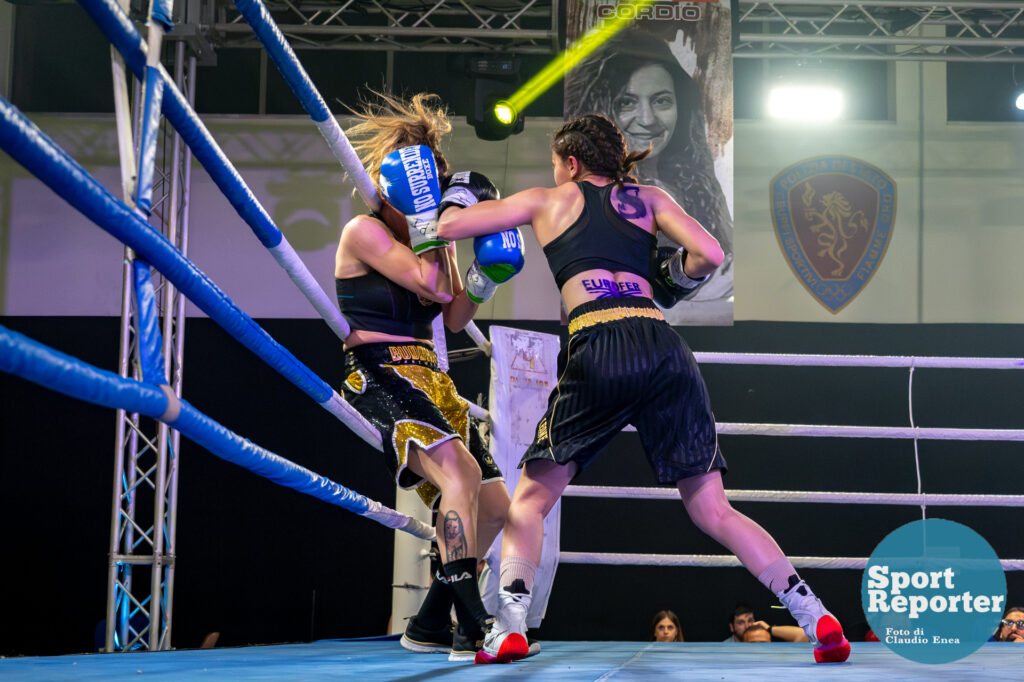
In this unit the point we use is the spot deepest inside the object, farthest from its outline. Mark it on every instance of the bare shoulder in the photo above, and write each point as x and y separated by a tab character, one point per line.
537	196
655	196
561	194
363	221
363	227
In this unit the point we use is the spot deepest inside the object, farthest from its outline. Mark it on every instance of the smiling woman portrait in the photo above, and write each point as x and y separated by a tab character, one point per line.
638	82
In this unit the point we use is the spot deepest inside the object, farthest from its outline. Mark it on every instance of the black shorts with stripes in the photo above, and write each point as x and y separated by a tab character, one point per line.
399	389
623	364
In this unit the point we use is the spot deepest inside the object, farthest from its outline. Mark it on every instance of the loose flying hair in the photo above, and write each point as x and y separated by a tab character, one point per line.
662	615
388	122
599	146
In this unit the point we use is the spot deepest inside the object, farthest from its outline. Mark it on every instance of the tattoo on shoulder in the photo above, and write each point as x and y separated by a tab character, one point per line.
630	204
455	544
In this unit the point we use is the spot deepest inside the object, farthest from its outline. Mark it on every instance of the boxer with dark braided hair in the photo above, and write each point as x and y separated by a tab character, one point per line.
599	146
390	288
622	364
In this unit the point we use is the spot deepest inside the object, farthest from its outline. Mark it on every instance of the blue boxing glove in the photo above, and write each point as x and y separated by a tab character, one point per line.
669	283
498	257
408	180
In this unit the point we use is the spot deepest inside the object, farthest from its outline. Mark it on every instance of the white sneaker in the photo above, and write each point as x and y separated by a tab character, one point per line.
506	640
823	629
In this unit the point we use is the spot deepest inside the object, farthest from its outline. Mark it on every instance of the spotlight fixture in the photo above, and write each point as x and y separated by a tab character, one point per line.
805	103
495	78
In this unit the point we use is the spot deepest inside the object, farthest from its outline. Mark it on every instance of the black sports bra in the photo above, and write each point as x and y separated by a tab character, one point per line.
372	302
600	239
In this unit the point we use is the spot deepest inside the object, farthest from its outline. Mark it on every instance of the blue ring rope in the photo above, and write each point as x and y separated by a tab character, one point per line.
150	340
40	364
263	25
118	29
30	147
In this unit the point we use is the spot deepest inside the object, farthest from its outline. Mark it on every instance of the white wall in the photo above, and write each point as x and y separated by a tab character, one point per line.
952	258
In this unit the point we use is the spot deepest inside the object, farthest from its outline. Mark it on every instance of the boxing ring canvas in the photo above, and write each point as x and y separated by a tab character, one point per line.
383	659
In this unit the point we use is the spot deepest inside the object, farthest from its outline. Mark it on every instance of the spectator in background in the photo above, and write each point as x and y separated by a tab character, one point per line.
742	619
1011	627
757	633
665	627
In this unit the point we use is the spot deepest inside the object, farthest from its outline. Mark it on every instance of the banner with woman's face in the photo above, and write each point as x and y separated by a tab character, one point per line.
666	82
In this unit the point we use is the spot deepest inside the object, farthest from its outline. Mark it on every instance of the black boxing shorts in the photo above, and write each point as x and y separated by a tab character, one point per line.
623	364
400	390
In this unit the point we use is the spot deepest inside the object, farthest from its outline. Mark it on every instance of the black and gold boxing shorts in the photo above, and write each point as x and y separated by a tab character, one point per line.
400	390
623	364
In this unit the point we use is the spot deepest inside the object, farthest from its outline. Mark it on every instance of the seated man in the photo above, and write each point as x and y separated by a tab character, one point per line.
1011	627
743	619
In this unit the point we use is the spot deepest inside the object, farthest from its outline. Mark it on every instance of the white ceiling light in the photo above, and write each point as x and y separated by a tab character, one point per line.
805	103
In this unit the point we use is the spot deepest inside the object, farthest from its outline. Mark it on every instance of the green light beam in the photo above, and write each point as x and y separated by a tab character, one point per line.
573	54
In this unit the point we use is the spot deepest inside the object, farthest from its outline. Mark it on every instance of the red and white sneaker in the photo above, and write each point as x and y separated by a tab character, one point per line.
823	629
506	640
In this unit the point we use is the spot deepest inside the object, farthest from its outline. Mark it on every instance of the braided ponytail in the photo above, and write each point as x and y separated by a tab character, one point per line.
599	146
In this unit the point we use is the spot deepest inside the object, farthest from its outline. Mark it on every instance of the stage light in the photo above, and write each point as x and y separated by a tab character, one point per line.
494	118
1020	101
495	77
807	103
505	114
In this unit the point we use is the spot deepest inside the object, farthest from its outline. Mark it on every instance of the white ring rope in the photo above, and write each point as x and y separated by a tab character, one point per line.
910	499
917	452
703	560
478	338
897	432
477	411
710	560
805	360
913	432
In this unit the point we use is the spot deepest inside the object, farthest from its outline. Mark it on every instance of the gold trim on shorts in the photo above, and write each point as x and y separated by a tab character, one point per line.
428	493
611	315
356	382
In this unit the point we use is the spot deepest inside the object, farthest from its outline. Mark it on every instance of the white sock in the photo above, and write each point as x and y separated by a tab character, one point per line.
517	568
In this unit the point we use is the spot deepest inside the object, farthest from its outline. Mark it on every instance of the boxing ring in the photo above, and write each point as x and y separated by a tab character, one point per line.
382	658
568	661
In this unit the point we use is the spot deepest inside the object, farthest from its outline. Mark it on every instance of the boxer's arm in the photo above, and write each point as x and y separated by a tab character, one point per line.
367	240
788	633
703	252
461	309
490	217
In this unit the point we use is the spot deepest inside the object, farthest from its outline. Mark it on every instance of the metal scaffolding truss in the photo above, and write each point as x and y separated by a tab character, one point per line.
511	26
888	30
140	584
